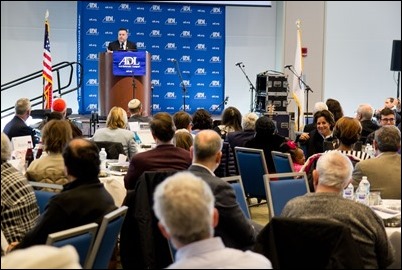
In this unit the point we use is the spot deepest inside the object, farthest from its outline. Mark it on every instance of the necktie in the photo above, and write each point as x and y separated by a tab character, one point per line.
122	45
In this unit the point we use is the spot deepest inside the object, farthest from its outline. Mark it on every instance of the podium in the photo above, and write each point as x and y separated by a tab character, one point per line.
119	90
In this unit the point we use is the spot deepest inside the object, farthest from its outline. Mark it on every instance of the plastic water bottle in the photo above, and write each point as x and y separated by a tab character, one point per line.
102	157
363	191
348	192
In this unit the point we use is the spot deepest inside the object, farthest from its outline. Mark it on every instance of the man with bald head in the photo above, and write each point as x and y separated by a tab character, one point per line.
83	199
234	228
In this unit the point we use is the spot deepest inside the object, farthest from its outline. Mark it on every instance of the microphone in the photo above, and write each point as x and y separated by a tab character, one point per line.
288	66
238	63
226	99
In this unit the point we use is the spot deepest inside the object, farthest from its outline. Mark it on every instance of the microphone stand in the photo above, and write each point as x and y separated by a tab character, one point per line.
182	84
306	88
252	88
223	102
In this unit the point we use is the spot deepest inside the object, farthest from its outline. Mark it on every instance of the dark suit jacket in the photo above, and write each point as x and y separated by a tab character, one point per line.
239	138
368	126
17	127
233	227
80	202
165	157
115	46
267	144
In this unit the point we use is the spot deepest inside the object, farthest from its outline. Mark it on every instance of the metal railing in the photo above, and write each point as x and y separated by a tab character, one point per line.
60	90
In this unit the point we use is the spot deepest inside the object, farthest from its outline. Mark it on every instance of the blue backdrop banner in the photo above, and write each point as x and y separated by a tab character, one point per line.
186	43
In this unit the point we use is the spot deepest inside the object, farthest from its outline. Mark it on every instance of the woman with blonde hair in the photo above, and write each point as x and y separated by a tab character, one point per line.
49	168
116	131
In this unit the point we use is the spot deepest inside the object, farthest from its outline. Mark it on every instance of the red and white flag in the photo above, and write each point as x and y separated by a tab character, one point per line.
47	68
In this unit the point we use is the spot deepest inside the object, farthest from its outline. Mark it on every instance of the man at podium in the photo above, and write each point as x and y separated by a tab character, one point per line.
122	43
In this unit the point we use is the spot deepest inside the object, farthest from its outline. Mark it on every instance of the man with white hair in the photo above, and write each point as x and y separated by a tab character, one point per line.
17	126
364	114
332	175
184	205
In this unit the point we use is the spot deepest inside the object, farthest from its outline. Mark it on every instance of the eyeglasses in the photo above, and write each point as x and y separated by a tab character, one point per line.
388	120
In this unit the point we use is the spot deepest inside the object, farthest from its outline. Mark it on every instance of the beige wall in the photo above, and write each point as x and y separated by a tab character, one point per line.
312	17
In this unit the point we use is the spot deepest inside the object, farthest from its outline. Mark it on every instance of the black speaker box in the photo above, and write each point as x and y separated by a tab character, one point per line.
396	56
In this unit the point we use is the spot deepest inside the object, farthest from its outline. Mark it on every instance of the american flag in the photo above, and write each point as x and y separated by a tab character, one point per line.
47	68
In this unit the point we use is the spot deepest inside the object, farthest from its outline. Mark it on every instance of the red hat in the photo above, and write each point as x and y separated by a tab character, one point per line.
59	105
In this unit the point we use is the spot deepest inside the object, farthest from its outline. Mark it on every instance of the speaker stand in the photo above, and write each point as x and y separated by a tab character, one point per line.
397	85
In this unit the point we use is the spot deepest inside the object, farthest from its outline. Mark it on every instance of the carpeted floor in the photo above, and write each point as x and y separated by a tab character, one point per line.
259	213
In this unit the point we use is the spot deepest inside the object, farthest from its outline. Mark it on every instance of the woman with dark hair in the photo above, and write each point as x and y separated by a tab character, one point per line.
314	141
201	120
231	121
335	108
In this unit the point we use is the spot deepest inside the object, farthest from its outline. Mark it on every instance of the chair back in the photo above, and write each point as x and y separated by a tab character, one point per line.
43	197
113	149
297	243
81	238
290	185
252	166
237	184
106	239
283	162
228	166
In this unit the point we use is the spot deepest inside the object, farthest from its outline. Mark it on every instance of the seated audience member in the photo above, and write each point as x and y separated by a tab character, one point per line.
165	156
49	168
318	106
314	141
116	131
267	139
335	108
184	205
42	257
234	228
182	120
239	138
17	126
183	139
296	153
365	115
59	105
231	121
83	200
390	103
386	118
333	174
19	208
383	171
136	113
201	120
347	132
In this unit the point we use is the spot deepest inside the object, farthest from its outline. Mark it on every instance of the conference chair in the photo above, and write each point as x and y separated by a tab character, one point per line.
106	239
297	243
42	196
283	162
237	184
113	149
285	187
252	166
81	238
